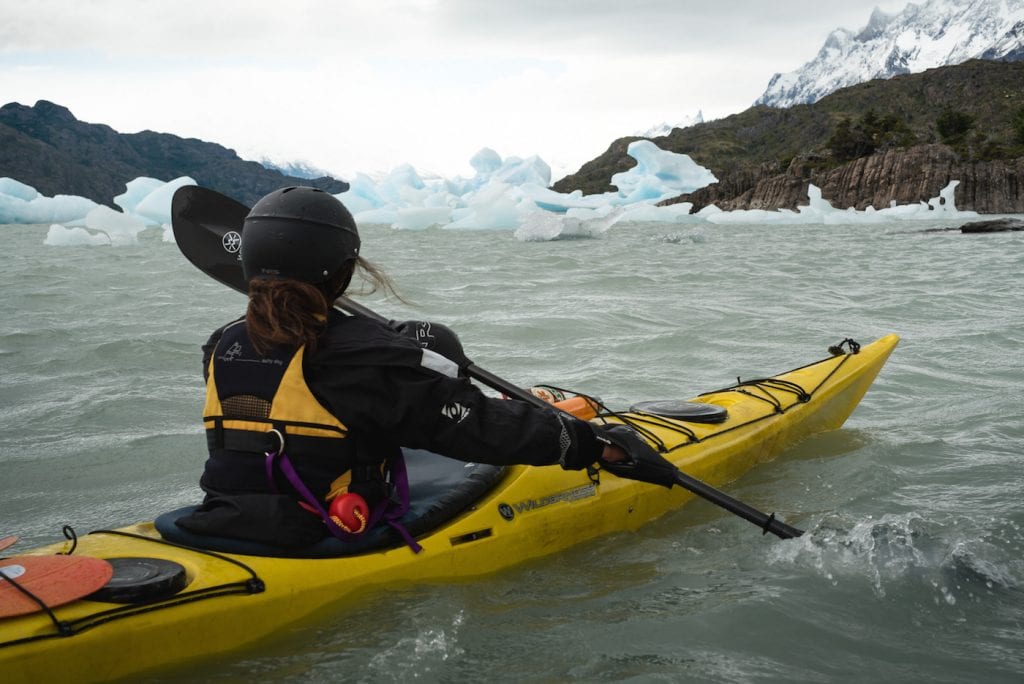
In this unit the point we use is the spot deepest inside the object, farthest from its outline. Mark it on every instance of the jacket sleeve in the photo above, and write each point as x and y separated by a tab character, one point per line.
391	391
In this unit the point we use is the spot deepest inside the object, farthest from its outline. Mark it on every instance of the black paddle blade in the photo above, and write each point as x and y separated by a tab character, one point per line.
208	229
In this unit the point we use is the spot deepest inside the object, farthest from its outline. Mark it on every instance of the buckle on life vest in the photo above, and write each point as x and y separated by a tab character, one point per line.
280	441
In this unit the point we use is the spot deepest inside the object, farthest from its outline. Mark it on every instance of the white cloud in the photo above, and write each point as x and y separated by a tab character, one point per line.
365	86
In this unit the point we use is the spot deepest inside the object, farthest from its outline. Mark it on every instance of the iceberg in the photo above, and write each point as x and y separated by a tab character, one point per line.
820	210
80	221
20	203
507	194
511	194
103	226
659	175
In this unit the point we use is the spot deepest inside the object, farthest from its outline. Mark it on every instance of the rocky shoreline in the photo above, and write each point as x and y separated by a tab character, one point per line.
903	176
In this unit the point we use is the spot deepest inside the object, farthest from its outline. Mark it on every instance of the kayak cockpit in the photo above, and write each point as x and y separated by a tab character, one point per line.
440	489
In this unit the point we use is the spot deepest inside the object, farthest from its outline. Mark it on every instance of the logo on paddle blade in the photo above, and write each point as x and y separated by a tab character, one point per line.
232	241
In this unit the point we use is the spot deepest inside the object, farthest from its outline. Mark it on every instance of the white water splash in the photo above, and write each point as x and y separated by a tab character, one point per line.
416	657
894	548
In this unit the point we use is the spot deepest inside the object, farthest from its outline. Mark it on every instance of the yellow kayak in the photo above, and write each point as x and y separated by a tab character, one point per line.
228	601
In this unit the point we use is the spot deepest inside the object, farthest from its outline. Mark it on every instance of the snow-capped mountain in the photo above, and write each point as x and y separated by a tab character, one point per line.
665	128
923	36
295	169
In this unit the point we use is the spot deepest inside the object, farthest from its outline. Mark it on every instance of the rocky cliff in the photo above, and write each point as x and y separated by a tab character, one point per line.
903	176
46	147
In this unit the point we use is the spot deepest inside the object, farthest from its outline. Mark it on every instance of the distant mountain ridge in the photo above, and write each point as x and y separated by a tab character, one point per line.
665	128
914	133
46	147
923	36
295	169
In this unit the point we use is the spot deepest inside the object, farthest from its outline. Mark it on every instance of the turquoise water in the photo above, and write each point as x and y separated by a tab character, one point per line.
913	568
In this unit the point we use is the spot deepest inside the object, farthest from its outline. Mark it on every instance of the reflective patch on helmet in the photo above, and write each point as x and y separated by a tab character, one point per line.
439	364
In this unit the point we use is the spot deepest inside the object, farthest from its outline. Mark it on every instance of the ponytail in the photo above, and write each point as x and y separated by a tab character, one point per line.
285	312
294	313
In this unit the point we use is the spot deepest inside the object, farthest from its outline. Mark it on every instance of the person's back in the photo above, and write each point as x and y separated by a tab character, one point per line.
306	404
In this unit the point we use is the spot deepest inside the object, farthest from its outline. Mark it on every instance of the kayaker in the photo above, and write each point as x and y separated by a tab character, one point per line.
298	385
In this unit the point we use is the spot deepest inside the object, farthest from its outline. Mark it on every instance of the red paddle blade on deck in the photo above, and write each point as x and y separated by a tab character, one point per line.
53	580
8	541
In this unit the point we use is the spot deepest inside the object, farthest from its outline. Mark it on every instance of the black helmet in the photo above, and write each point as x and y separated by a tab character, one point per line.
299	233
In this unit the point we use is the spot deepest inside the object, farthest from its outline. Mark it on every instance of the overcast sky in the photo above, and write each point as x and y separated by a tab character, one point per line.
366	86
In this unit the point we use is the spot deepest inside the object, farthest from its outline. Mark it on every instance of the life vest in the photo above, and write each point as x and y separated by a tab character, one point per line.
255	402
261	405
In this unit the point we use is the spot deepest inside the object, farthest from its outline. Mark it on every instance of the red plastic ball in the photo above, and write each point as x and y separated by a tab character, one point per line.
350	512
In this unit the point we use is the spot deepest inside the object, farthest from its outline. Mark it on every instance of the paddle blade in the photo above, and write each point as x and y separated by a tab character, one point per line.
208	229
50	580
8	541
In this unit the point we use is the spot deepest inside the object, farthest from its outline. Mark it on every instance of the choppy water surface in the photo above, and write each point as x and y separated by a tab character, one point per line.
913	568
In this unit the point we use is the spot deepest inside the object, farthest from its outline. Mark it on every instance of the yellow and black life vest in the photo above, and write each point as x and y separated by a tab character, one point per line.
250	396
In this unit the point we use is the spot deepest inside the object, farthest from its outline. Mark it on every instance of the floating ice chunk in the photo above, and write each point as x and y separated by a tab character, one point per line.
820	210
659	174
59	236
533	171
120	229
136	191
494	207
420	218
504	192
946	200
150	198
485	162
20	203
405	176
542	226
709	210
155	207
362	195
672	213
386	217
17	189
560	202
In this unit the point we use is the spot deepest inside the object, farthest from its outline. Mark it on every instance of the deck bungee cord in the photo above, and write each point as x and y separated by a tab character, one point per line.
760	389
253	585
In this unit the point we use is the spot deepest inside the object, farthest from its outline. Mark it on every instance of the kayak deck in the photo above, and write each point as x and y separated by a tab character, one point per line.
532	512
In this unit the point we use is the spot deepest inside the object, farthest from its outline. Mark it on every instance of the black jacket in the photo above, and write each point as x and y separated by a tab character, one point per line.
391	393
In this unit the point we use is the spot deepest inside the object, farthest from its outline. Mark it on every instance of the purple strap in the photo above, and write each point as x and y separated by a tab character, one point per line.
395	510
391	511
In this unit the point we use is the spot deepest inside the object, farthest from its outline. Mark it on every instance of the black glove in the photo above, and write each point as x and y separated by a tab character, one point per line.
644	464
437	338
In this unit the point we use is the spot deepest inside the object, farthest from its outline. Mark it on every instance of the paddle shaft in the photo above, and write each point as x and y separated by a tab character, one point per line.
767	523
